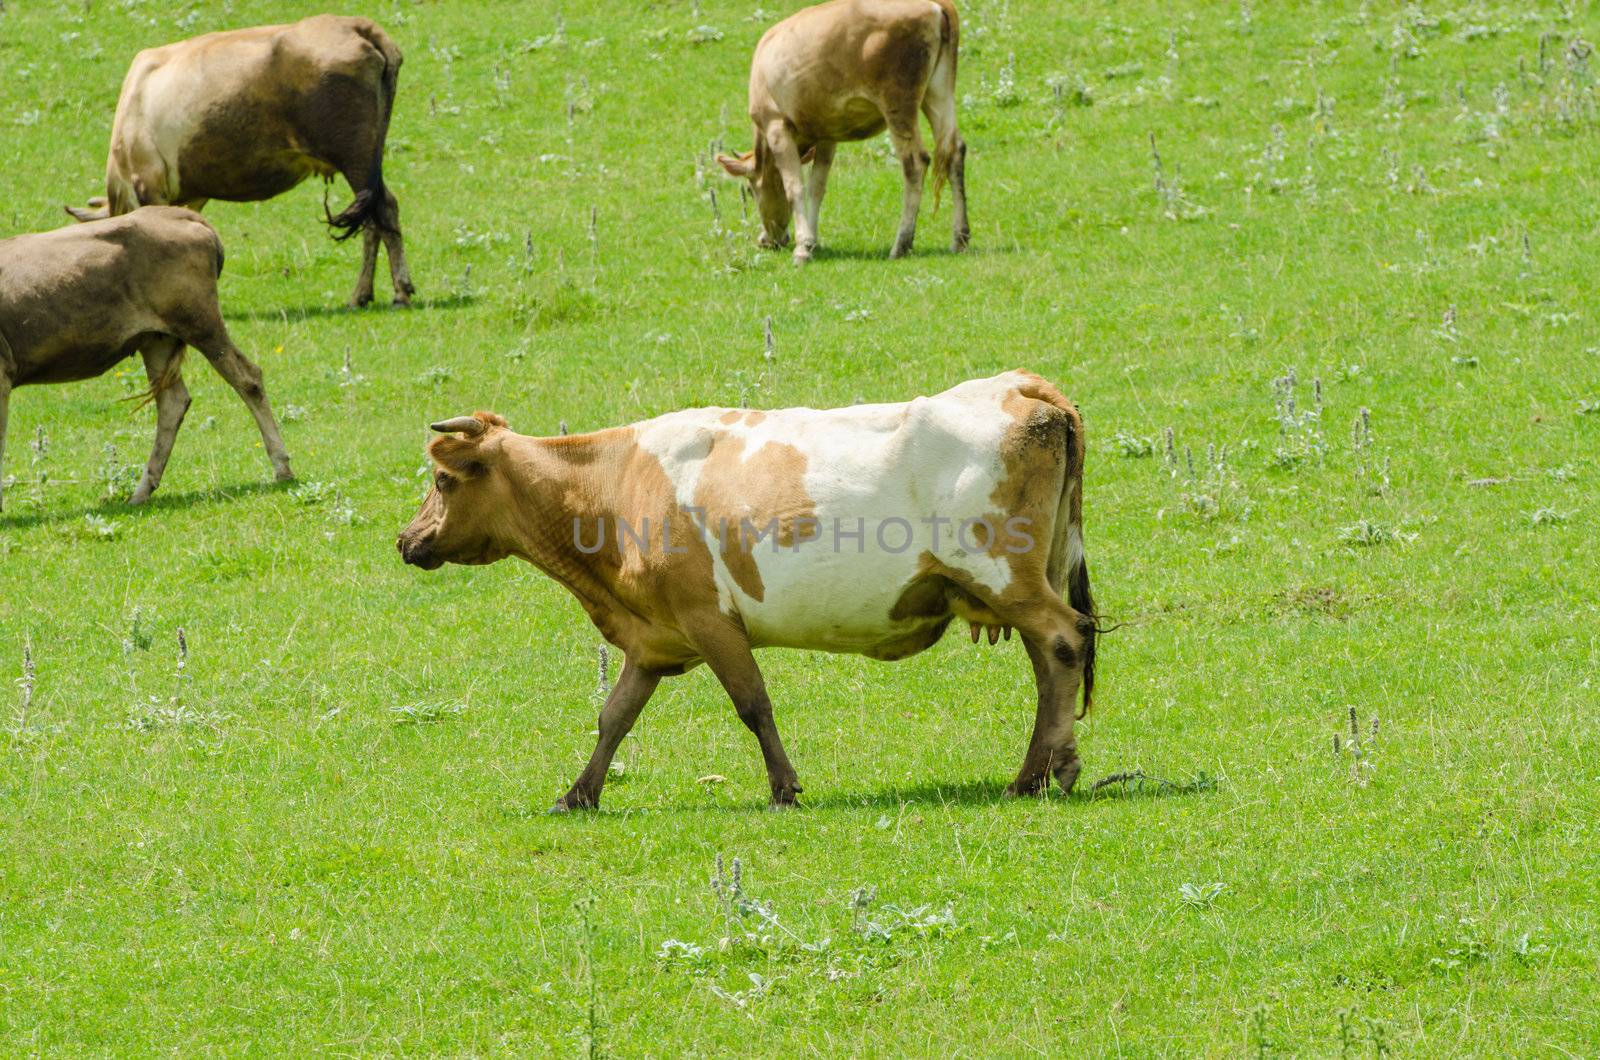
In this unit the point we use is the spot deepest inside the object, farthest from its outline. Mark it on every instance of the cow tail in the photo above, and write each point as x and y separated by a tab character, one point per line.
1078	594
216	245
949	47
1083	603
173	373
371	204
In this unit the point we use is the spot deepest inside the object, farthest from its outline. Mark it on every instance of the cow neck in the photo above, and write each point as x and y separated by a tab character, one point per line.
553	480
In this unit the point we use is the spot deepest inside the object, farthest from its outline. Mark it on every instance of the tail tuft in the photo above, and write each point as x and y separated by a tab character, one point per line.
941	176
366	209
173	373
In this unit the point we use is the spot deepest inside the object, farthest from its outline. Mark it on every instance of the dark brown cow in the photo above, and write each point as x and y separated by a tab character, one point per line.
701	535
248	114
845	70
76	301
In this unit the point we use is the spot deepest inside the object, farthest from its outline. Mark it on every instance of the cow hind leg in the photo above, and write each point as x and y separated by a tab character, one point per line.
394	247
726	650
245	378
362	295
906	136
633	689
163	366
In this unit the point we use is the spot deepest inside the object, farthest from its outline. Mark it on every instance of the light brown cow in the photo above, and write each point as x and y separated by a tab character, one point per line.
248	114
701	535
76	301
843	71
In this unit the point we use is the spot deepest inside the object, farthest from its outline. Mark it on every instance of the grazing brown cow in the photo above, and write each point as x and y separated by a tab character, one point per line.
843	71
248	114
76	301
700	535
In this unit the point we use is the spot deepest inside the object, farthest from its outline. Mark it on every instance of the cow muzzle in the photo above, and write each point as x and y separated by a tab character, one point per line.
418	552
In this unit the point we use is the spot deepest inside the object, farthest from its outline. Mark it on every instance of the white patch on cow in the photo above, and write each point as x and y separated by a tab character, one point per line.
893	468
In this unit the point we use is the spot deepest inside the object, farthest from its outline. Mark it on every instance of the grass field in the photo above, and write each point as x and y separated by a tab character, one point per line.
326	833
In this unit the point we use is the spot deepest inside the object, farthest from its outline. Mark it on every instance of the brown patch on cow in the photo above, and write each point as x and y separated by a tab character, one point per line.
936	590
538	498
743	498
1042	456
749	417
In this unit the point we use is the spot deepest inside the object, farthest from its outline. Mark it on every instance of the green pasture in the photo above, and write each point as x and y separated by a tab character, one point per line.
1322	278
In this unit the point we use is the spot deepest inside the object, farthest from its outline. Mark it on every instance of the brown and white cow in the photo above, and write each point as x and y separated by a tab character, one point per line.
701	535
845	70
247	114
76	301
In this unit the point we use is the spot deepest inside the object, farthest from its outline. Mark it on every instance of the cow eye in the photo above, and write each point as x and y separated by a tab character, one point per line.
443	480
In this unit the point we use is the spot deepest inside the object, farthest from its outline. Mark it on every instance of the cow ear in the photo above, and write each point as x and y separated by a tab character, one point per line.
741	165
460	456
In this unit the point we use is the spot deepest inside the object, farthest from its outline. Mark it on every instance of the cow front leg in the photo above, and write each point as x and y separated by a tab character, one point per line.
163	366
5	405
632	691
245	378
786	156
1057	650
726	649
914	161
817	185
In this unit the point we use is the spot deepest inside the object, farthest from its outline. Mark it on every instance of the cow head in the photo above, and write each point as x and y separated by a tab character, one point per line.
468	514
757	167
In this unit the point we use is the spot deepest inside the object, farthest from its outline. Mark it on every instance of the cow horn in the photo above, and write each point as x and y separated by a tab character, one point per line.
470	426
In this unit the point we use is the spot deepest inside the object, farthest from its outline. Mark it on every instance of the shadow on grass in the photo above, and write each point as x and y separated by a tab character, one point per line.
824	253
313	312
1118	787
161	502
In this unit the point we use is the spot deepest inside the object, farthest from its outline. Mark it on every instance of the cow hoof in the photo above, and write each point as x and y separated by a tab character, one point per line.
283	476
139	498
401	303
1018	789
574	800
359	301
900	250
1067	775
960	242
784	798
